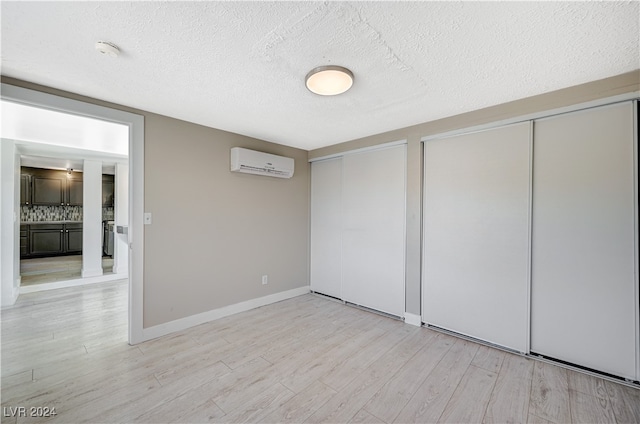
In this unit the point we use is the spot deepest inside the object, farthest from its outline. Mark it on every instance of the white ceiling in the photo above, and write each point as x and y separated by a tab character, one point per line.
36	125
240	66
51	139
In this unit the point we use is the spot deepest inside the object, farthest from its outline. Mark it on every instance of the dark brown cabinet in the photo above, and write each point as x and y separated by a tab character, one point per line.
40	240
56	191
25	189
24	240
46	239
74	192
48	190
50	187
73	239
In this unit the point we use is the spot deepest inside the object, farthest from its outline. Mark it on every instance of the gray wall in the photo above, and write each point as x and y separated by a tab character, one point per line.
608	87
214	233
194	257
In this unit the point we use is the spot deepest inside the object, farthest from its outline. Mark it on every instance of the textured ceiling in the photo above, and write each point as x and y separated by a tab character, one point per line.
240	66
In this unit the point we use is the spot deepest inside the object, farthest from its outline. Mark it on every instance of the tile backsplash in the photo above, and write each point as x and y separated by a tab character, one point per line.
50	213
107	214
58	213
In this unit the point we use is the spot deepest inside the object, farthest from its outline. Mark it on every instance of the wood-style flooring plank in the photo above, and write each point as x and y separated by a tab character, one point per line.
302	405
387	403
550	393
509	401
67	349
345	404
329	361
488	358
255	409
532	419
243	384
154	398
469	401
430	400
174	410
341	375
364	417
289	326
95	411
206	413
587	384
585	408
625	402
18	378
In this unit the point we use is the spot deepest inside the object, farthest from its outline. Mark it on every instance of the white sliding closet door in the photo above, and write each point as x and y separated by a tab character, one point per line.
326	227
476	234
373	202
584	288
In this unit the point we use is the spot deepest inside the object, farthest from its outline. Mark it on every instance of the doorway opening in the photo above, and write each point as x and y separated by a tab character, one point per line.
105	145
61	206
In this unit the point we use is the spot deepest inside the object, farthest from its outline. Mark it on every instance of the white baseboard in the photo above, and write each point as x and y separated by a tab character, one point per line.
88	273
15	292
120	270
193	320
72	283
10	300
412	319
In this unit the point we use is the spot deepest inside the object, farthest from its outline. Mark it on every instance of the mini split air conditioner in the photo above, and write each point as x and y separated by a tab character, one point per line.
259	163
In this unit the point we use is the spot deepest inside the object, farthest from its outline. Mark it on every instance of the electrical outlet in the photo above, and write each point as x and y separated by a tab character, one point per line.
265	279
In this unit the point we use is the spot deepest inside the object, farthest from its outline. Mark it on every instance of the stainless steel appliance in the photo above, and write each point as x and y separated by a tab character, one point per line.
107	238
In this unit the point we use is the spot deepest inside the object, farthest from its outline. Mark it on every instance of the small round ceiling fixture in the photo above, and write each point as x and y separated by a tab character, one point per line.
107	48
329	80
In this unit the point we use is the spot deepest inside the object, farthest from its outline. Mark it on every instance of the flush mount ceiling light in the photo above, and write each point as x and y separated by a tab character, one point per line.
107	48
329	80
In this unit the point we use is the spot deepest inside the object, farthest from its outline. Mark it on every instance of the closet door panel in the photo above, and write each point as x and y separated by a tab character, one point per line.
476	234
373	199
326	227
584	291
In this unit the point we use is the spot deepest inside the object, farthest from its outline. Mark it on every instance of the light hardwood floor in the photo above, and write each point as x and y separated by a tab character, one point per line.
57	268
306	359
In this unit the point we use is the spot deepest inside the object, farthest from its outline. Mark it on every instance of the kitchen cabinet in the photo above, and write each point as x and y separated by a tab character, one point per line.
50	187
25	189
108	190
73	239
46	239
48	190
74	192
43	240
24	240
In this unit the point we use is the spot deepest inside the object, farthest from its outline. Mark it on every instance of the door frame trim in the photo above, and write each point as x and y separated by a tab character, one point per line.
135	124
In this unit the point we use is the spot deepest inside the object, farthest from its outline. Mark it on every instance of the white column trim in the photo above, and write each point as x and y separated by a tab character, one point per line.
92	219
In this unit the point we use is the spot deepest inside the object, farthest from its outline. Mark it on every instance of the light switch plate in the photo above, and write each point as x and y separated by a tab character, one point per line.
147	218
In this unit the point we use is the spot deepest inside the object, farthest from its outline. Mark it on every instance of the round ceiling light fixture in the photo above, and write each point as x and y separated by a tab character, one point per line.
107	48
329	80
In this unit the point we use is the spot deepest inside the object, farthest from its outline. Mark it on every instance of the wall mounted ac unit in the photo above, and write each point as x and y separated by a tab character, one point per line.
259	163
